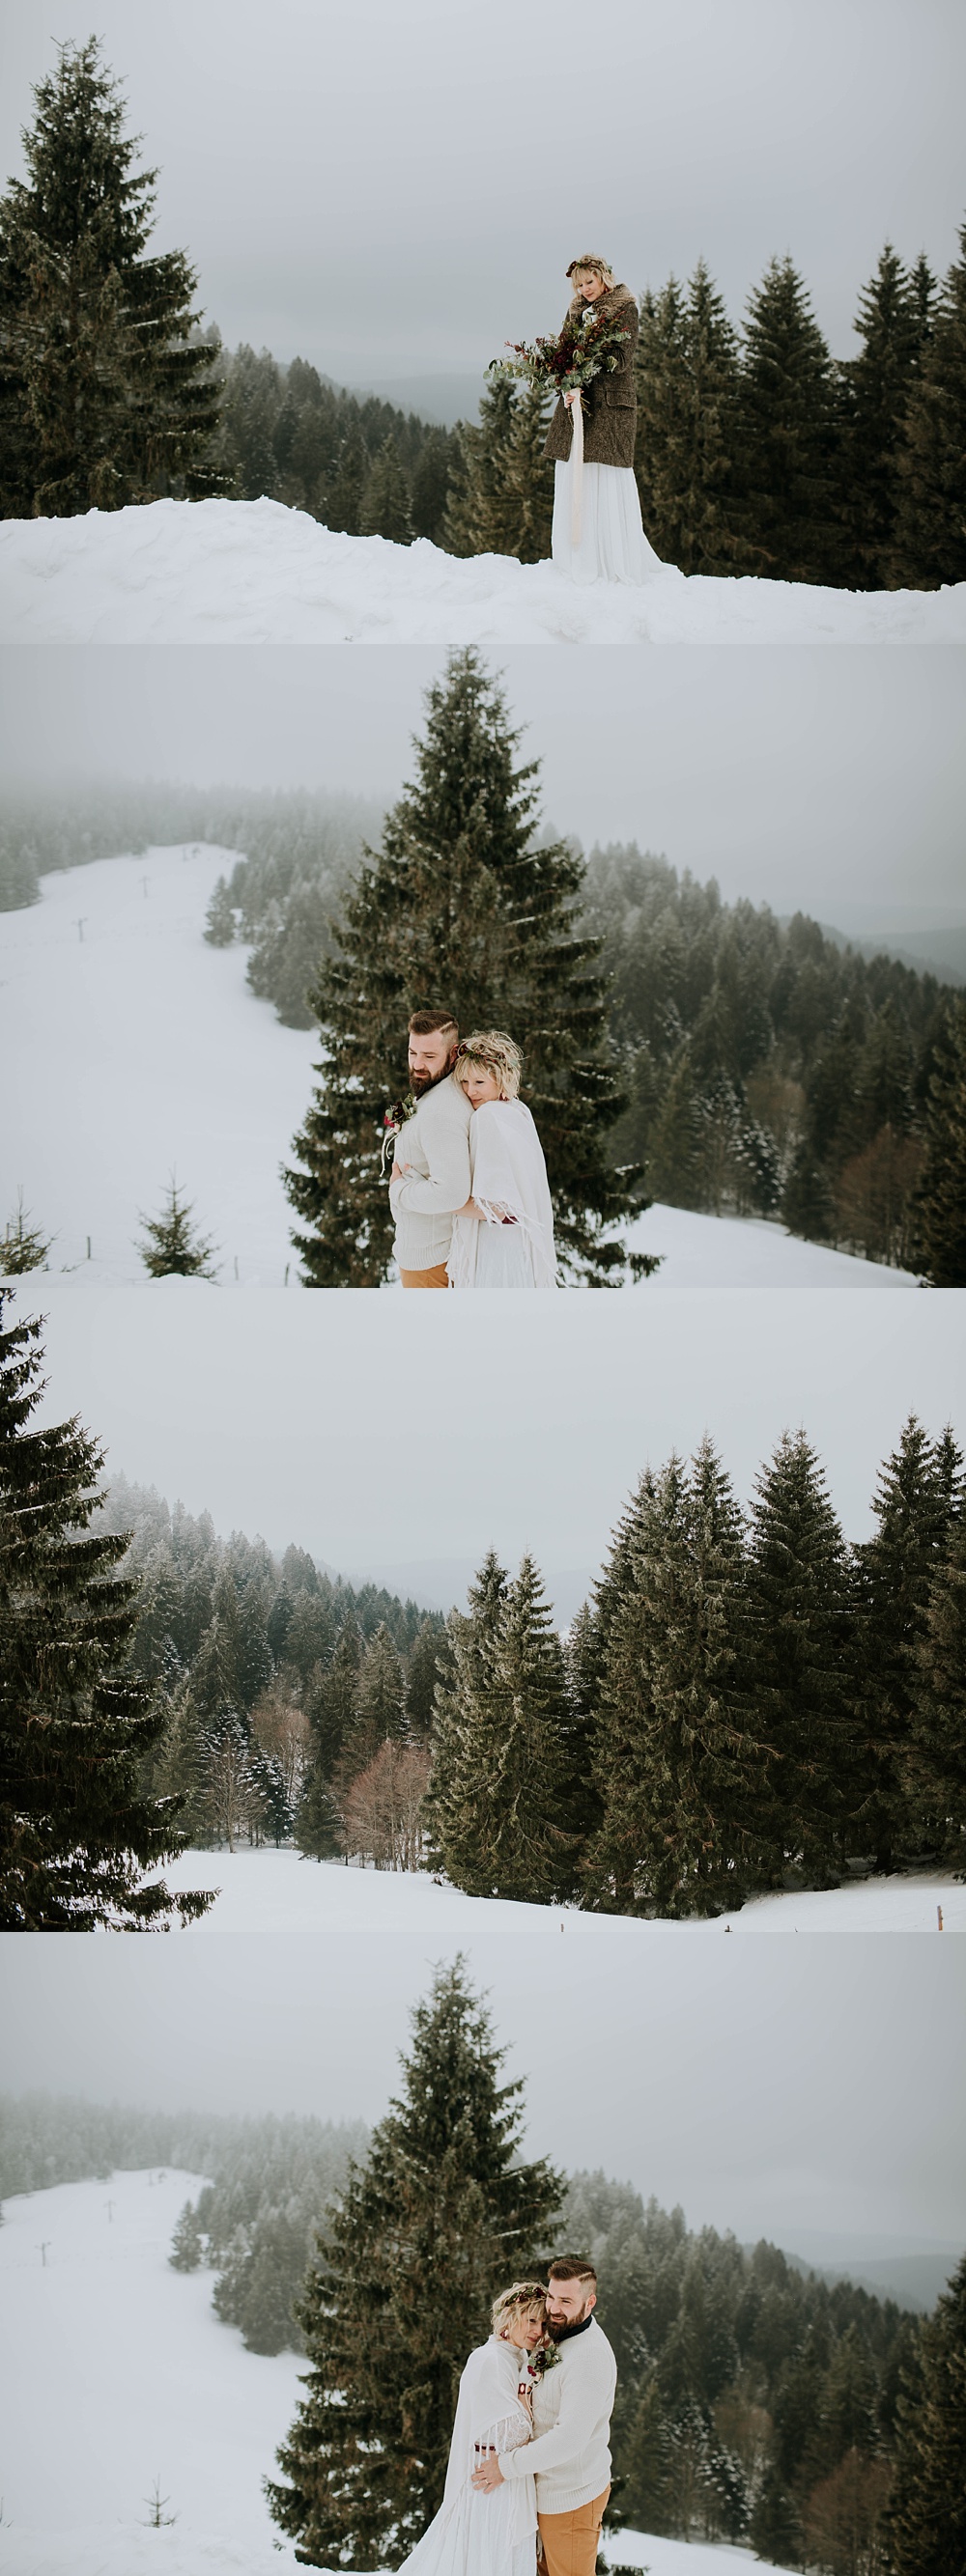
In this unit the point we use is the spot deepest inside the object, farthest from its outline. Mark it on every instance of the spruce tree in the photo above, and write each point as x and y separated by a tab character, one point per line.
796	1663
173	1246
442	2215
378	1706
929	545
925	2519
331	1702
220	924
503	1797
76	1724
786	435
384	507
480	517
22	1246
918	1497
937	1760
687	372
892	323
462	906
675	1762
939	1207
108	395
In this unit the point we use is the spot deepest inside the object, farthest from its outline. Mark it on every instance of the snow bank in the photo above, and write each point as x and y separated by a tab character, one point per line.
128	1046
88	2435
254	572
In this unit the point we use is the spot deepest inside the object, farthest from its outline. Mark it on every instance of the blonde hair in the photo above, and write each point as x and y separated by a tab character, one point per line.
494	1052
523	2297
591	264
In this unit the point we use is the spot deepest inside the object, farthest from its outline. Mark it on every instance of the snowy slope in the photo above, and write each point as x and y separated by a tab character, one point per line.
87	2434
129	1046
254	572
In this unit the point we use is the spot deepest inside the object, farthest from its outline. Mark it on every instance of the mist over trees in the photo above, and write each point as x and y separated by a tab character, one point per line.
288	1704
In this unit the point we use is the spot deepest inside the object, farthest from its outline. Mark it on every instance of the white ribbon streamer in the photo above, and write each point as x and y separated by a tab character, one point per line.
576	468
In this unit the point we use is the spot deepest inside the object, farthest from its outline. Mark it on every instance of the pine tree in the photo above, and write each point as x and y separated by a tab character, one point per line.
423	1670
173	1245
430	485
503	1797
936	1772
331	1703
892	322
220	922
687	373
23	1247
76	1724
918	1496
528	484
378	1707
384	507
939	1207
925	2520
929	545
442	2214
108	394
187	2243
786	435
796	1665
674	1762
479	519
461	903
250	401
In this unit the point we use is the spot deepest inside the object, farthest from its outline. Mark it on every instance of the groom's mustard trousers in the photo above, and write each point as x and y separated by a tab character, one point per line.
568	2541
436	1278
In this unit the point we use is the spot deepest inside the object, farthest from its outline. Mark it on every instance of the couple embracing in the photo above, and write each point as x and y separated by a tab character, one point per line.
529	2467
468	1188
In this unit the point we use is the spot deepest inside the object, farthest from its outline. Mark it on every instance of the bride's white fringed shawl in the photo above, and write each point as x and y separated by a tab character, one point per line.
509	1179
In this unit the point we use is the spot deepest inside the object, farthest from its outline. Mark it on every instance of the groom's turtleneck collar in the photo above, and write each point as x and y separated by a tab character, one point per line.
562	2334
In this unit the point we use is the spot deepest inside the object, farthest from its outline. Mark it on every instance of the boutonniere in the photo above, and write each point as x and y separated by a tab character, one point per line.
545	2358
393	1119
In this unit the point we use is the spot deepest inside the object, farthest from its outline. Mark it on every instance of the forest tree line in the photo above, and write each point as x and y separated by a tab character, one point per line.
745	1703
281	1686
757	451
757	2400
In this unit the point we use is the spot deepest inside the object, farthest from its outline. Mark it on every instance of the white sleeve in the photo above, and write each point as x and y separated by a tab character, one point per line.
447	1185
581	2407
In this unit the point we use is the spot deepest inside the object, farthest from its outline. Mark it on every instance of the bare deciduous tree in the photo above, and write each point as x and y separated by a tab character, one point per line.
382	1808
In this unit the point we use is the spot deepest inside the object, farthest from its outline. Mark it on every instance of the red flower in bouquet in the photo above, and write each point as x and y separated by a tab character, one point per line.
586	347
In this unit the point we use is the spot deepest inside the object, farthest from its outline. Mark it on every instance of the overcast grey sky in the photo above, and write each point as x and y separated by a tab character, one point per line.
396	191
834	782
382	1436
772	2085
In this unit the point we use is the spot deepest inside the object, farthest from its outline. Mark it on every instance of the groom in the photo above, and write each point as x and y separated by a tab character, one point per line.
431	1173
572	2404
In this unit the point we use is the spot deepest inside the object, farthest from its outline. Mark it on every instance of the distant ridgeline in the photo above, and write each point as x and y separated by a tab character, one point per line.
753	2401
291	839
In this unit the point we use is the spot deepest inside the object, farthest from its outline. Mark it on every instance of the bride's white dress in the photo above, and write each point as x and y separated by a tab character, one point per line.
613	546
509	1179
483	2535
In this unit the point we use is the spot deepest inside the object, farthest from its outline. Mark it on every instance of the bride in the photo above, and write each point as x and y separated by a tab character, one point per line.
489	2535
503	1236
598	533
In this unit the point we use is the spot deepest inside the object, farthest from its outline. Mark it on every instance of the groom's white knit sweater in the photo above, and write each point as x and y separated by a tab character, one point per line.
572	2406
435	1141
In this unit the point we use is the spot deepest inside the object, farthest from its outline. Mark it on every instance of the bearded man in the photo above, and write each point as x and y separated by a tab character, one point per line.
572	2406
431	1172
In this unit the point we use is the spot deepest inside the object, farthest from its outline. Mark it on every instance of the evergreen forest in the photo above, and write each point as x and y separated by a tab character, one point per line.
758	452
745	1703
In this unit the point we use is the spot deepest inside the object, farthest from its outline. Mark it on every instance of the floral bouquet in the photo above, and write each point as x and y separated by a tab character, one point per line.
393	1119
586	347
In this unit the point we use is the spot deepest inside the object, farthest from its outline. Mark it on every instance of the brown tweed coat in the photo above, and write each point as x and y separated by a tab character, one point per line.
610	402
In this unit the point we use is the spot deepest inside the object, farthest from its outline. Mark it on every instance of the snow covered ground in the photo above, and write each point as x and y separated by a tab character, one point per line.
129	1047
254	572
277	1890
89	2430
